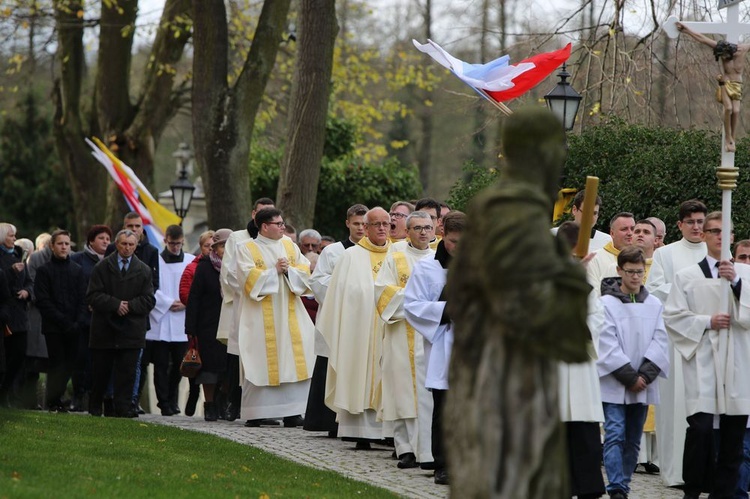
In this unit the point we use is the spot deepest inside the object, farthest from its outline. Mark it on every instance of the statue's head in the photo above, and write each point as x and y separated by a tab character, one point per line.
534	146
724	50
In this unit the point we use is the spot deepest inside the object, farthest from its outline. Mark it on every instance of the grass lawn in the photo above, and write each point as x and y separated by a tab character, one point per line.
65	455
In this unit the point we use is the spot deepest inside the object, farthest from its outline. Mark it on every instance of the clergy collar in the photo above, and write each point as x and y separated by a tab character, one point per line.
267	240
369	246
170	257
610	248
348	243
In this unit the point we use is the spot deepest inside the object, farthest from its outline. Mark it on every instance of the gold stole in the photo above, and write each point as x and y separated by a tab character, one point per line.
404	272
272	354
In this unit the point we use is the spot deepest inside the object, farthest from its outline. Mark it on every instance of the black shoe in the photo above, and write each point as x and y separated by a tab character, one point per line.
109	408
651	468
57	407
140	410
175	409
394	455
363	446
408	460
269	422
253	423
293	421
333	433
441	477
427	466
76	405
190	405
233	411
210	411
617	494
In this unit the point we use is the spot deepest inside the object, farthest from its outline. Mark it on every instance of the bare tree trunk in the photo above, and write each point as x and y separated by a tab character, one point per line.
87	180
300	169
480	116
424	155
224	117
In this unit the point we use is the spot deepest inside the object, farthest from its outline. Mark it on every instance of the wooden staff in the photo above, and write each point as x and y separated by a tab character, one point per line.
587	217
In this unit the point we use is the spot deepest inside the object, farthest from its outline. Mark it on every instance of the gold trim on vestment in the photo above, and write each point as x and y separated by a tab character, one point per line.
299	352
386	296
269	327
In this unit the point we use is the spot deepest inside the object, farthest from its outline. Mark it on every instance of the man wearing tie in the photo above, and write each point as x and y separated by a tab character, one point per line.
121	295
714	345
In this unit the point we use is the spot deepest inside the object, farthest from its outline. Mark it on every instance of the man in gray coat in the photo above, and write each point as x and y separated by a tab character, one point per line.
121	295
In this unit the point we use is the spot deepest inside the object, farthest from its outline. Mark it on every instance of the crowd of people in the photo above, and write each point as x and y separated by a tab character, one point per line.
287	324
355	335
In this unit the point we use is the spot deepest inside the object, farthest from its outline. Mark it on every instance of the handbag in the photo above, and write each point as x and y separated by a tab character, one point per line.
191	362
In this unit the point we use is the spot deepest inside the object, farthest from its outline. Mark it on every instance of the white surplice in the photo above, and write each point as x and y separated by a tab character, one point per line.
353	332
276	334
671	422
601	266
714	364
405	401
168	325
580	396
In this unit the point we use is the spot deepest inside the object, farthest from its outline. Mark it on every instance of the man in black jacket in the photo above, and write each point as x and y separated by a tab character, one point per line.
60	291
121	295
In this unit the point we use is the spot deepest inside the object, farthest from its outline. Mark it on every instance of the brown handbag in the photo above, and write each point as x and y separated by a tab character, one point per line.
191	362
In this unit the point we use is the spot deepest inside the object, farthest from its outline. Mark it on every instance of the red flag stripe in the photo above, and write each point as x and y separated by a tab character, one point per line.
544	65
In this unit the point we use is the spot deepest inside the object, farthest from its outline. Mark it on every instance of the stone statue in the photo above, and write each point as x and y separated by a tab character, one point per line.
731	58
518	302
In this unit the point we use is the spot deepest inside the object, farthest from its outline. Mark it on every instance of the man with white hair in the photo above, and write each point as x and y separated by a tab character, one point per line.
353	331
309	240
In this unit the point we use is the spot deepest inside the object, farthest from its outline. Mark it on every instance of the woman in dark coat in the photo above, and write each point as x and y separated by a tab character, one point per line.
60	291
20	287
202	321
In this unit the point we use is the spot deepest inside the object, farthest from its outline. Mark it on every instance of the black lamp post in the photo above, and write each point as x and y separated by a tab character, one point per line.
563	100
182	189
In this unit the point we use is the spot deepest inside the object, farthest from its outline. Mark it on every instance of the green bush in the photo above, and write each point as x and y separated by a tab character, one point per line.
645	170
343	182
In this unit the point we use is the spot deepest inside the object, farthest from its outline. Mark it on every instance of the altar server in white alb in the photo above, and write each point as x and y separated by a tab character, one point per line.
668	260
425	309
633	352
715	347
276	334
166	341
406	400
353	332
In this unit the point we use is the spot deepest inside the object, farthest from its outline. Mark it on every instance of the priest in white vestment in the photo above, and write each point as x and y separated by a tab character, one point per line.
353	332
231	306
425	309
276	334
715	347
406	400
671	421
318	417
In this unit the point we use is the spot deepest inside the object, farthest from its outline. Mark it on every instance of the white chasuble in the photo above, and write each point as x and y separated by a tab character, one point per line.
275	332
715	364
353	331
403	350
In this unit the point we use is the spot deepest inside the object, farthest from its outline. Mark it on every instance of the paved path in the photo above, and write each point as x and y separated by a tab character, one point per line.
375	467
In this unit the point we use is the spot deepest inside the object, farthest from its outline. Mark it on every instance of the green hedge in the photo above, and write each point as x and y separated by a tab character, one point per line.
645	170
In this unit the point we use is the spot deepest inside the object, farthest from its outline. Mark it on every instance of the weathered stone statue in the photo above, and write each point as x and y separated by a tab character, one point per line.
519	306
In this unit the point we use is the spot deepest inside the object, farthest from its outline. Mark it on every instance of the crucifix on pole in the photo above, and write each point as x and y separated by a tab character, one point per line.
730	56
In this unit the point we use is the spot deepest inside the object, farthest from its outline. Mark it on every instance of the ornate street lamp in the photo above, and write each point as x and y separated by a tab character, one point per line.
182	189
563	100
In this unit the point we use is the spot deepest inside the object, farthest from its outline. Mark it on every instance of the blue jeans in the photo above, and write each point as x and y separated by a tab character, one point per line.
623	427
744	480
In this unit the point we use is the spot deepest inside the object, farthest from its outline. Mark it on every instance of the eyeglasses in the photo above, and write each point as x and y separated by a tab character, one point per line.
310	245
693	221
715	232
420	228
279	224
387	225
743	257
396	214
631	272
